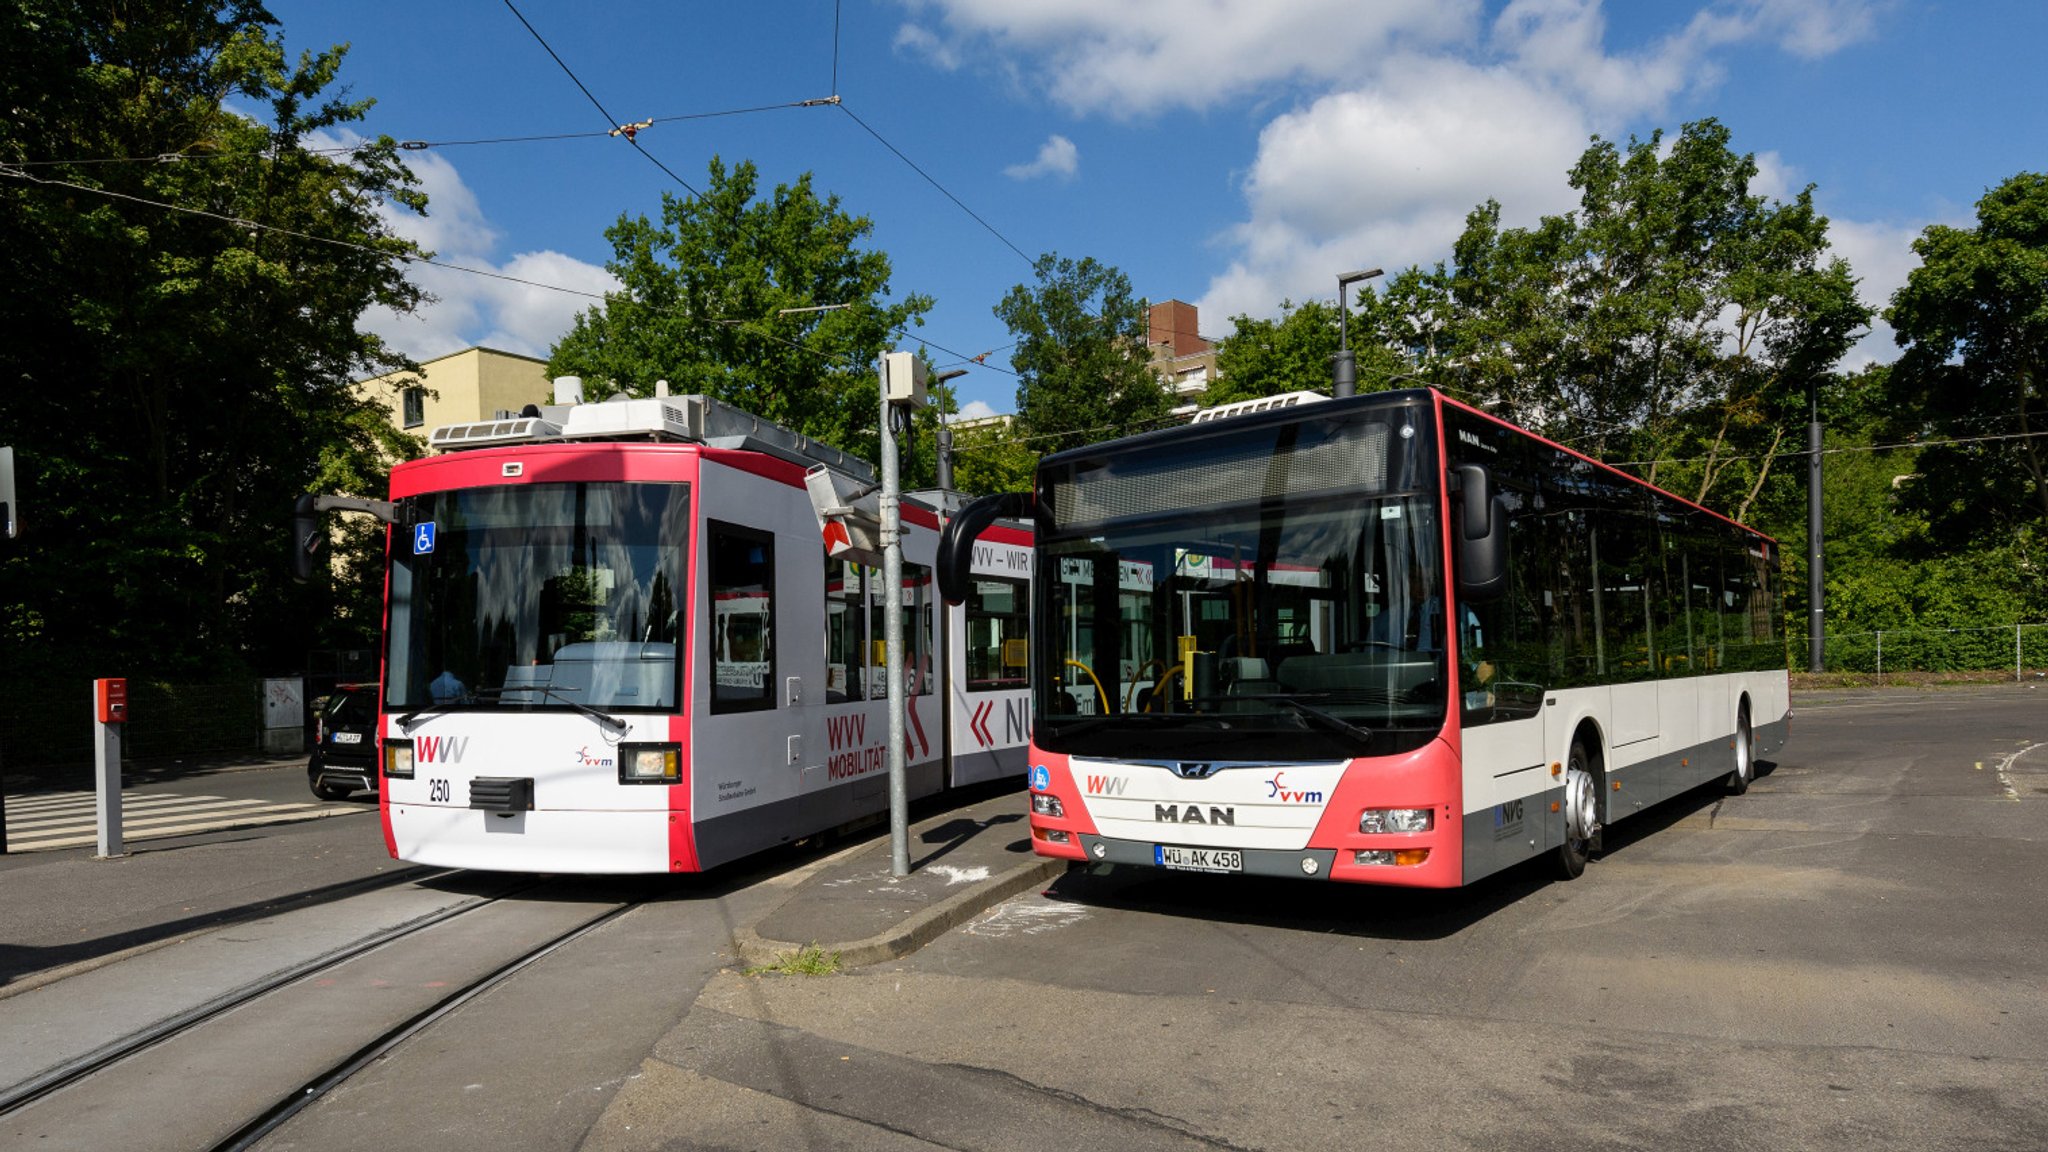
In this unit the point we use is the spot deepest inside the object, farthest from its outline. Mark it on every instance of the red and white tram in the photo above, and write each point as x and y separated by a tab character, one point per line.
614	642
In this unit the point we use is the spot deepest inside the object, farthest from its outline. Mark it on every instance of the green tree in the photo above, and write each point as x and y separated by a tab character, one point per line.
1973	319
1293	353
180	282
704	306
1674	316
1084	373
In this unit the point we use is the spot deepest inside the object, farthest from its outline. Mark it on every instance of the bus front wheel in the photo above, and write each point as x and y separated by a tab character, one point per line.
1581	814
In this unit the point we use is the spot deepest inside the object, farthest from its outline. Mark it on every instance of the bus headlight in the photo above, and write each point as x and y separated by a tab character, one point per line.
1396	820
1045	805
398	759
650	763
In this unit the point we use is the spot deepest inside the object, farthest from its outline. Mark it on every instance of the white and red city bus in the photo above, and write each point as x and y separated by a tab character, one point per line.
615	642
1386	639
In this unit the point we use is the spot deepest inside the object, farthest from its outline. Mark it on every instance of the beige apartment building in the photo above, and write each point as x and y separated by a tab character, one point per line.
473	384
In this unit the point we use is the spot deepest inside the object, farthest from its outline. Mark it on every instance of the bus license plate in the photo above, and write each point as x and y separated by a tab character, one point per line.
348	737
1198	859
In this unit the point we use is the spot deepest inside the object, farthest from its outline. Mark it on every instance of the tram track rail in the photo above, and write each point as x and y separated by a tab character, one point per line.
252	1133
77	1070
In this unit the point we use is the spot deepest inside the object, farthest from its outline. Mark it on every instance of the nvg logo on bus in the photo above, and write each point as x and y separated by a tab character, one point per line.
1041	778
1284	794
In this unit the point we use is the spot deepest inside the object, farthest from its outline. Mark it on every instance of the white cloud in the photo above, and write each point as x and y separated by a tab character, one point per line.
523	308
973	410
1139	56
1385	176
1881	255
1384	171
1056	157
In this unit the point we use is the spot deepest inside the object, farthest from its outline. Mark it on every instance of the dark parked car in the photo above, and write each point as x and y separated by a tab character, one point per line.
344	743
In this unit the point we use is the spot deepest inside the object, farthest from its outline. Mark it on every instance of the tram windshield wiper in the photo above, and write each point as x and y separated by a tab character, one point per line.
412	718
558	692
407	721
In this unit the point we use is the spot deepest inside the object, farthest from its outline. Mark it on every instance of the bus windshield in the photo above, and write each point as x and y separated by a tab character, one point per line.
538	596
1297	615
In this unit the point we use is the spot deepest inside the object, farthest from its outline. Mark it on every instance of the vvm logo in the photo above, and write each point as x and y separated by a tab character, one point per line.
585	759
1281	792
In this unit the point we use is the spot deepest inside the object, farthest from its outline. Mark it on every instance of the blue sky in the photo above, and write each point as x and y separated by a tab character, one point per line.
1232	153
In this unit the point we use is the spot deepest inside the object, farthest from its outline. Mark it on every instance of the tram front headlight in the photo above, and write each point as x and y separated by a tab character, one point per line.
398	759
650	763
1396	820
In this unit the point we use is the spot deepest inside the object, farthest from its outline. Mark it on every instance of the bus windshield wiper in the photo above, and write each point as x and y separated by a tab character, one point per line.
1302	708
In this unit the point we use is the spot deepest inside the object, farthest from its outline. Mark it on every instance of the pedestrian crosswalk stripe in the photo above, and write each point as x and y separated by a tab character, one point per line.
70	820
130	813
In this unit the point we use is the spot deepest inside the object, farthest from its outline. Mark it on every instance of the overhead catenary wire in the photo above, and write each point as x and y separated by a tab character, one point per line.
612	121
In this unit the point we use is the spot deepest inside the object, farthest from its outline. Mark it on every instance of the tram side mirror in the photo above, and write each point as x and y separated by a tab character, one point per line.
307	538
1481	538
956	542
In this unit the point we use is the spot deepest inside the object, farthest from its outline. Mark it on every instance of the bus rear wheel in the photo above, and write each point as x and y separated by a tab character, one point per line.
1581	814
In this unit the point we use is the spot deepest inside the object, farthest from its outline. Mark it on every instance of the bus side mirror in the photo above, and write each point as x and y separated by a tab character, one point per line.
956	542
1481	537
307	537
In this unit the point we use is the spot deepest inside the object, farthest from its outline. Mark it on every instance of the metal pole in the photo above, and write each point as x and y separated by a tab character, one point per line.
1880	655
1815	590
2016	677
892	637
107	776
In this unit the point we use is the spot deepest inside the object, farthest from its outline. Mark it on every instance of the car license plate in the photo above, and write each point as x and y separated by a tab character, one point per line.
1198	859
348	737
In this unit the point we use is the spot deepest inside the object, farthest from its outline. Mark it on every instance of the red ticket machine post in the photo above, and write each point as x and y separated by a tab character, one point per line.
110	712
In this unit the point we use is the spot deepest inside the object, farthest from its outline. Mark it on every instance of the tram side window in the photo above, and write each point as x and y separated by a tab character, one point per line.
998	630
742	632
847	587
918	601
917	632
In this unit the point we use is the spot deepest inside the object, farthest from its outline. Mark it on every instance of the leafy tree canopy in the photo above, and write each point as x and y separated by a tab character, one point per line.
180	282
704	307
1084	373
1674	315
1973	319
1293	354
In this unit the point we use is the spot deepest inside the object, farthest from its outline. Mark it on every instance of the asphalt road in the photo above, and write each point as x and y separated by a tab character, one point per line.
1853	955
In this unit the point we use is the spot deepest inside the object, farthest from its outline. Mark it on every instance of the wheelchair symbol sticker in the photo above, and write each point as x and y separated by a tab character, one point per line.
423	539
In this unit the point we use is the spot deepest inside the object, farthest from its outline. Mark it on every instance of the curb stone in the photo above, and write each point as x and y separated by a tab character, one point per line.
914	933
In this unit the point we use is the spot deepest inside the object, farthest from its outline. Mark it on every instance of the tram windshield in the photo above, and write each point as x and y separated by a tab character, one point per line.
1268	592
541	596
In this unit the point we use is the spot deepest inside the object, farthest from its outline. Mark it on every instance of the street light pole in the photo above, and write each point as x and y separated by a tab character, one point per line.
904	381
1344	366
1816	637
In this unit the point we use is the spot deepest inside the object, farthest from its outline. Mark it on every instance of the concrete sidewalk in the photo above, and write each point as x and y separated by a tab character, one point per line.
963	861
